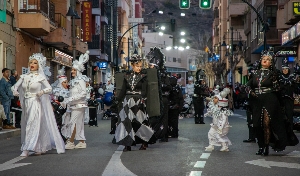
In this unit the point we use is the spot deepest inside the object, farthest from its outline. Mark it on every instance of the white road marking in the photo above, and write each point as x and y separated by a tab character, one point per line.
268	164
205	155
115	166
12	164
200	164
295	154
195	173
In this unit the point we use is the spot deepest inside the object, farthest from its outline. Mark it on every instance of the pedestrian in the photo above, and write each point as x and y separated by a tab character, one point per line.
14	102
39	132
175	107
2	116
133	124
267	116
13	77
93	104
190	87
218	110
77	103
89	90
200	93
6	96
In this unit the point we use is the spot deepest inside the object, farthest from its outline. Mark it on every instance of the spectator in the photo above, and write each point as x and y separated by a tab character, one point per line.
13	77
6	96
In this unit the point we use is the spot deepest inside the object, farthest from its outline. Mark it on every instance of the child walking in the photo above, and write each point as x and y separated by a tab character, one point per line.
220	126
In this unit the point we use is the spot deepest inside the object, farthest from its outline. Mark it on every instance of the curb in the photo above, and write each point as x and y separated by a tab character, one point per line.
4	134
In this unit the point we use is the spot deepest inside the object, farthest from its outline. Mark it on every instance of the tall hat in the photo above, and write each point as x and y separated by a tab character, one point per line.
285	63
269	53
200	75
156	57
79	64
43	68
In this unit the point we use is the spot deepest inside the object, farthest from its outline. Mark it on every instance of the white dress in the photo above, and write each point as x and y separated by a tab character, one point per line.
190	89
77	103
220	125
39	132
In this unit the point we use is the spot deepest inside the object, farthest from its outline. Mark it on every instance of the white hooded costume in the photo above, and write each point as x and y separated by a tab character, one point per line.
109	87
190	87
77	99
39	132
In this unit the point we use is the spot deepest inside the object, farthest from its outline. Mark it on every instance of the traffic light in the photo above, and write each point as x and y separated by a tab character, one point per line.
173	23
184	4
205	4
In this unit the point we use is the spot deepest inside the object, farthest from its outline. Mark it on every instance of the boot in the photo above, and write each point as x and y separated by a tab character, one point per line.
259	152
24	153
224	147
127	148
266	151
209	148
143	146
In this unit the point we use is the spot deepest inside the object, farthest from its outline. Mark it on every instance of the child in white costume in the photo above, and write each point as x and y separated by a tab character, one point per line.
220	126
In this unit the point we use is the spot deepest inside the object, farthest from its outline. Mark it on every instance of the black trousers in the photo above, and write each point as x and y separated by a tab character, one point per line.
173	122
250	125
199	109
165	117
93	116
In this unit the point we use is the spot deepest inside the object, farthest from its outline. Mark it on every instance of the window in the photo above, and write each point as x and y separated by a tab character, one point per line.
174	59
271	12
169	59
179	60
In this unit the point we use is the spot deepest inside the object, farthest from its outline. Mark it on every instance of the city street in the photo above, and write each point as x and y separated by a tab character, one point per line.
178	157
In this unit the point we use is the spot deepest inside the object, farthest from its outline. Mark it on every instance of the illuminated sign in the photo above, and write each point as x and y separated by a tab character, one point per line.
3	11
286	53
296	8
87	21
102	65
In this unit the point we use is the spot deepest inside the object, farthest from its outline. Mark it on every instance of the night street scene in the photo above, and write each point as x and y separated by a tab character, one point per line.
149	87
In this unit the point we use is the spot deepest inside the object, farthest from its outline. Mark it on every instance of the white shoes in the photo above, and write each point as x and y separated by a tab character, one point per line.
224	149
80	145
24	153
70	145
209	148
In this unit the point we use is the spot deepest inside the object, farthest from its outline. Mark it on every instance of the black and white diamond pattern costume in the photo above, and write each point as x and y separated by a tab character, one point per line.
133	126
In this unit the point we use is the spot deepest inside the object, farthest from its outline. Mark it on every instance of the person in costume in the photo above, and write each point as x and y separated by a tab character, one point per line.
39	132
267	116
89	90
133	125
156	59
93	104
200	92
218	110
77	103
190	86
60	92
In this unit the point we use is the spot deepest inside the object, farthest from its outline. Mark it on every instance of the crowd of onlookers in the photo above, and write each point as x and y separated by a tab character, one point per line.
8	101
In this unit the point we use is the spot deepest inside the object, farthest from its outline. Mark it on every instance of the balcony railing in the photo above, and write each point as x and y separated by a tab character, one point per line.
95	44
60	21
95	3
46	7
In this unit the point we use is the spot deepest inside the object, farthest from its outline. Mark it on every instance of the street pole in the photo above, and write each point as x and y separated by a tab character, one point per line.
128	55
231	61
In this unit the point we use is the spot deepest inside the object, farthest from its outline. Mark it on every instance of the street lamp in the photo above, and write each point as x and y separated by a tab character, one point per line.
182	33
163	28
160	12
160	33
182	14
182	40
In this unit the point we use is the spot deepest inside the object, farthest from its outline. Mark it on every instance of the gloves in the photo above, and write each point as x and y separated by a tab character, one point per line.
16	93
40	93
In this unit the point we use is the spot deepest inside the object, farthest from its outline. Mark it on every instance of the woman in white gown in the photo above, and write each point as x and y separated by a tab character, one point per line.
39	132
77	103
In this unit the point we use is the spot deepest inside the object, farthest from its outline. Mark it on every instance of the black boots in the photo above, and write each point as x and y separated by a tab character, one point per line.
127	148
263	151
260	151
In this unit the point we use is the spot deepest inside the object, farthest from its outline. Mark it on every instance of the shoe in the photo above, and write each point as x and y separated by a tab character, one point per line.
202	122
24	153
163	140
224	149
209	148
127	148
37	153
266	151
6	127
81	145
12	127
249	140
143	147
70	145
259	152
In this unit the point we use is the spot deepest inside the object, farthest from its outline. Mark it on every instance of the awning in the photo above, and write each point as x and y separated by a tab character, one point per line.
260	49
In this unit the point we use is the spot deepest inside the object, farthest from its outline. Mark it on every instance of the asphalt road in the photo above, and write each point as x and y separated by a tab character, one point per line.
178	157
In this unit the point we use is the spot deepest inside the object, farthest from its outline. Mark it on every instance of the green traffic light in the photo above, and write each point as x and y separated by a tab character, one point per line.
184	4
205	3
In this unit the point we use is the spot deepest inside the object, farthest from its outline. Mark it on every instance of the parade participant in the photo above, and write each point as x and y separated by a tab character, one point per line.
175	107
60	89
109	87
218	110
89	90
39	132
267	116
93	104
132	127
156	59
190	86
77	102
216	91
200	92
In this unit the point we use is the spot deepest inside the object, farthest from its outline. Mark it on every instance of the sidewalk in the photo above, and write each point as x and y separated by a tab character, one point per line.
8	133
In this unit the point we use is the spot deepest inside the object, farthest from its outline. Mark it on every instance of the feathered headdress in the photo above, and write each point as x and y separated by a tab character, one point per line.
61	75
42	63
268	53
79	64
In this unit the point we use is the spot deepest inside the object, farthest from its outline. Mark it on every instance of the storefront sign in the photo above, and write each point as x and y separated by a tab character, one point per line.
286	53
296	8
87	21
3	11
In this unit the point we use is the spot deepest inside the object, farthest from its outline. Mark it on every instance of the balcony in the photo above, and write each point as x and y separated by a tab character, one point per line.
94	46
61	37
237	7
43	13
96	7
